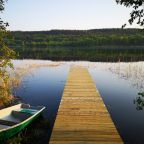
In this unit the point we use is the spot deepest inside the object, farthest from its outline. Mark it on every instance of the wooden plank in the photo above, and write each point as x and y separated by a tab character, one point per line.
82	117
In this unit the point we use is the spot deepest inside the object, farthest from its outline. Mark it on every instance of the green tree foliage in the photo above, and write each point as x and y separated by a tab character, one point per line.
5	60
97	37
137	14
93	45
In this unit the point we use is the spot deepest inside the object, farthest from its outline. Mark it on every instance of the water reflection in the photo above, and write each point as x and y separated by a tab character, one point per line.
42	83
134	73
118	91
118	84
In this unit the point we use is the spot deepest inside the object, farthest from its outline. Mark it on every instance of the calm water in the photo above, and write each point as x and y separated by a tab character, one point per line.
119	95
45	87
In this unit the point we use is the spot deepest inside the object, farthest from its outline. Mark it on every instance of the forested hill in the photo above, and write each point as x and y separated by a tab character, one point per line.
73	38
92	45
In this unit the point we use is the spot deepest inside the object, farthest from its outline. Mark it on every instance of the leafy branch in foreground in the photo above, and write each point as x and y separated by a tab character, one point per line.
137	14
6	54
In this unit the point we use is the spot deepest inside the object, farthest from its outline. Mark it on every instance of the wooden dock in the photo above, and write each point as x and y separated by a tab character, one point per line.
82	117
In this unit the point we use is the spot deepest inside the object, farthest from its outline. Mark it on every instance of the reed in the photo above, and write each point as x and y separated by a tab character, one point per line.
26	68
134	72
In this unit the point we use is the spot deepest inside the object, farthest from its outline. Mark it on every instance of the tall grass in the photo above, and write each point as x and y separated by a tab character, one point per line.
130	71
26	68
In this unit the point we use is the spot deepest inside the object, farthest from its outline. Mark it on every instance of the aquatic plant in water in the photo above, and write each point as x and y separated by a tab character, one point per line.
141	94
139	101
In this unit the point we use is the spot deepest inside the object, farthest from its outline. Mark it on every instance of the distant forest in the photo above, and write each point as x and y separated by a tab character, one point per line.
92	45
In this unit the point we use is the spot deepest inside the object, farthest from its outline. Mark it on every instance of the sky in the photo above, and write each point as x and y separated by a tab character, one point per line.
36	15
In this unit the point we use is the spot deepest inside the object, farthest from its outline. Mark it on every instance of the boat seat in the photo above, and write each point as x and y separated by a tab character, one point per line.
21	115
30	111
7	123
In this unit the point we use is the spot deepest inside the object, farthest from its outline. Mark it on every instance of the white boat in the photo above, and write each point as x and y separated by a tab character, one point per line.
15	118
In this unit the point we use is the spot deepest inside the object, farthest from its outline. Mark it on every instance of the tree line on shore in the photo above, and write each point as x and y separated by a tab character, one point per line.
92	45
74	38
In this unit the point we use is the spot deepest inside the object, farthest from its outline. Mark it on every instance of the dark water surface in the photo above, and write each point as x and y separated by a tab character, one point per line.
45	87
119	95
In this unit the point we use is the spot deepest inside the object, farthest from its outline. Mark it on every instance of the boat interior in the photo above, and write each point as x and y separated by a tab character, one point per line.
16	114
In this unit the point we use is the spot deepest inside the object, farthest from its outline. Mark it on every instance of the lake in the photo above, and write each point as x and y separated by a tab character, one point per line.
118	83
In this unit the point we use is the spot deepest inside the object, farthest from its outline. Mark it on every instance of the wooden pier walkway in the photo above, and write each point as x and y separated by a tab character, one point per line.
82	117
